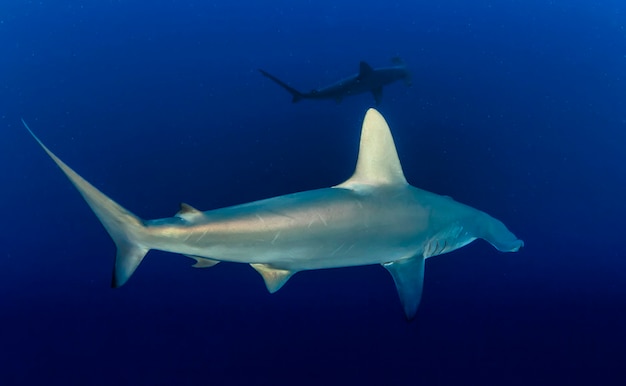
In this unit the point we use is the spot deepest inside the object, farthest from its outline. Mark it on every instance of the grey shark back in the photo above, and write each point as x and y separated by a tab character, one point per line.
374	217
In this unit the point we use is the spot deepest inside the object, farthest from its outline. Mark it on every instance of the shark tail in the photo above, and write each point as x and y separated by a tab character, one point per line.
126	229
297	95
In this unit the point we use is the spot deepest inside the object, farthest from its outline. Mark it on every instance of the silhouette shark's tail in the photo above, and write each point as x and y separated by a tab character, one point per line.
126	229
297	95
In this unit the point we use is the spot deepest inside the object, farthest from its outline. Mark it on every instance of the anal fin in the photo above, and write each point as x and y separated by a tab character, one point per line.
202	262
408	274
274	278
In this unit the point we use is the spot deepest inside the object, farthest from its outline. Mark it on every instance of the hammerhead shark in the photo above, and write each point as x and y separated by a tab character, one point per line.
367	80
374	217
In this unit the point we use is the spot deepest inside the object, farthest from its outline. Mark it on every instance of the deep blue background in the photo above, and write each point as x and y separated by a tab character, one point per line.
517	108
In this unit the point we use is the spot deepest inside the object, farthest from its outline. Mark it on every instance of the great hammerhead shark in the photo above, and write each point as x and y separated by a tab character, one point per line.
367	80
374	217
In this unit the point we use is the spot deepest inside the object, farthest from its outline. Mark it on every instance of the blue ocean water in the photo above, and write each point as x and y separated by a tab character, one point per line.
517	108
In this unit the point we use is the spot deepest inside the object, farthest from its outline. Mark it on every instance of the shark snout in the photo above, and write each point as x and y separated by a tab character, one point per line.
516	246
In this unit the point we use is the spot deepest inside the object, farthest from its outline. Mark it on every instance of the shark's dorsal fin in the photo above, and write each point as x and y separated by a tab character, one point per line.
408	274
188	212
378	162
365	69
274	278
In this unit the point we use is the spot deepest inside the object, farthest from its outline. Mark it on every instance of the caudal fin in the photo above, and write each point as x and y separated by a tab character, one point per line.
125	228
297	95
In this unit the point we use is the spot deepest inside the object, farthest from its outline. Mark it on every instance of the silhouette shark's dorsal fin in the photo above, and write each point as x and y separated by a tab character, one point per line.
365	70
378	162
397	61
188	212
274	278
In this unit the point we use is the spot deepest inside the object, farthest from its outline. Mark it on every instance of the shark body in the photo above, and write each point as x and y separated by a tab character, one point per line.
374	217
367	80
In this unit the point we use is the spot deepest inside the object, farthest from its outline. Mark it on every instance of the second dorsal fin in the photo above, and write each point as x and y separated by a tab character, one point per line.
188	212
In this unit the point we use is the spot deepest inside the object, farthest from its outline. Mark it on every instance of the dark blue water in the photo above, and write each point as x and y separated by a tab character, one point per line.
517	108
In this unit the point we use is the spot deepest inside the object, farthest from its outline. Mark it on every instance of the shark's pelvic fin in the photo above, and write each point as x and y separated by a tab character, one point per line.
125	228
378	162
408	274
274	278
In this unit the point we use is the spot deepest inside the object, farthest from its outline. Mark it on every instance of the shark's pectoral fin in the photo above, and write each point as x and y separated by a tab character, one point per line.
378	95
202	262
274	278
408	274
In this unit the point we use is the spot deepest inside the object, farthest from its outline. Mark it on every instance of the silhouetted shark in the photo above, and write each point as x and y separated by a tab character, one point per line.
367	80
375	217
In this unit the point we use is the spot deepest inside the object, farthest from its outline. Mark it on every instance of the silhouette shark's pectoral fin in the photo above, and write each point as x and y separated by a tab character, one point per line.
378	95
202	262
274	278
408	274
